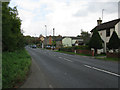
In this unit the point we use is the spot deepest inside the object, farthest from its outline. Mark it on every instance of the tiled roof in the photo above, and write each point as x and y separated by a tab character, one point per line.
107	25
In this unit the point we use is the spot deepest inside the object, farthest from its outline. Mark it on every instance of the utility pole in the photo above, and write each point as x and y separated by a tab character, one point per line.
35	38
46	35
46	30
53	37
102	13
53	31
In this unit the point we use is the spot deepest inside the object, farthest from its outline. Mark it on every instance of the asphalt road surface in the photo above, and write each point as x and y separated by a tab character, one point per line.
58	70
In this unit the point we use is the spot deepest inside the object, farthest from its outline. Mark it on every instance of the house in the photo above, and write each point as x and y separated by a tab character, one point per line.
41	39
58	41
48	42
71	41
106	29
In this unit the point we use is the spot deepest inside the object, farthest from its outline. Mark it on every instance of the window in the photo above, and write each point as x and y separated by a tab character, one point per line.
107	32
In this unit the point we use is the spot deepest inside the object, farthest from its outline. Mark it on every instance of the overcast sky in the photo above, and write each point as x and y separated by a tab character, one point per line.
68	17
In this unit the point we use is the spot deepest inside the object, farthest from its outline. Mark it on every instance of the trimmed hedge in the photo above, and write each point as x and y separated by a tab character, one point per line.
71	49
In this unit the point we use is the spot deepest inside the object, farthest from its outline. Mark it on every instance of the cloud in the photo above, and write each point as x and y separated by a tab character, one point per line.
68	17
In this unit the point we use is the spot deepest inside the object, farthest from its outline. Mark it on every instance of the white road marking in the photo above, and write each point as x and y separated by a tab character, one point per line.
68	60
65	73
60	57
50	86
108	72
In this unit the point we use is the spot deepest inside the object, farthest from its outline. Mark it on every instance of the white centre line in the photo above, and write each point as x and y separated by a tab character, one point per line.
108	72
68	60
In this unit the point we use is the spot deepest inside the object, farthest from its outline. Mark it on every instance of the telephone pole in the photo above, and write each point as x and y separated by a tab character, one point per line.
53	31
46	30
53	37
102	13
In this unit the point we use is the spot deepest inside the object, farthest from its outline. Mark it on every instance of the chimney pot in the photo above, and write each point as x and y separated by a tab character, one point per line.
99	21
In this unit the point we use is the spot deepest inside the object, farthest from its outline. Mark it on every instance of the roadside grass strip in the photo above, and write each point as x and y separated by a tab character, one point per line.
15	67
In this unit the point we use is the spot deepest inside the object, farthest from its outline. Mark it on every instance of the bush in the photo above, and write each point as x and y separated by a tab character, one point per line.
70	49
81	47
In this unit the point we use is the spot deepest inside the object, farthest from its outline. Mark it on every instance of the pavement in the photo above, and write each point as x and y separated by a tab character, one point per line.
58	70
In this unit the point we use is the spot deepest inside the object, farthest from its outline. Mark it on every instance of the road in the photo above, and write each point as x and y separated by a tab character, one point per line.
58	70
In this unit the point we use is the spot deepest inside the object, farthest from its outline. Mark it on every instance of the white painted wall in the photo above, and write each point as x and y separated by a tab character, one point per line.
73	41
67	42
117	29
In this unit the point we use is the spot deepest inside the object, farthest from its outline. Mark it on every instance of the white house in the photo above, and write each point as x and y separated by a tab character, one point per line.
106	29
71	41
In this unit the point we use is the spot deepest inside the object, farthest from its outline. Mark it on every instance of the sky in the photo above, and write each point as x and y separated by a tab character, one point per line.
68	17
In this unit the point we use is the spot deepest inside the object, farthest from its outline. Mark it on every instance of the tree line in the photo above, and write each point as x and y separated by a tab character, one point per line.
12	38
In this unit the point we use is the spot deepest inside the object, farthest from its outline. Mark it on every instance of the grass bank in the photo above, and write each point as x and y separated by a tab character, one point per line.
15	67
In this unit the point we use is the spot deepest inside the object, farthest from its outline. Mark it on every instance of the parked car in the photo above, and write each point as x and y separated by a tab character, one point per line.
34	46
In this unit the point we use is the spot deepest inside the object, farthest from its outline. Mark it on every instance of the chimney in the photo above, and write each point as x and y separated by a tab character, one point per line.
99	21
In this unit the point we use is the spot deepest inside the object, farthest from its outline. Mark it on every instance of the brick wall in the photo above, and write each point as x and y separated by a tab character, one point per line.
113	55
88	52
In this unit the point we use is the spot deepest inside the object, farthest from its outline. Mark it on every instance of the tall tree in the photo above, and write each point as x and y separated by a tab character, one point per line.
95	41
11	35
86	36
114	42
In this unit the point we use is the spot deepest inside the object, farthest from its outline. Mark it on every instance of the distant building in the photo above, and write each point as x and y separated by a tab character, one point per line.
106	29
71	41
48	42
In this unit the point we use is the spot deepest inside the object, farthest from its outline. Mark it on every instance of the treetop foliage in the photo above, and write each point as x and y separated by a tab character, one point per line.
114	42
12	38
95	41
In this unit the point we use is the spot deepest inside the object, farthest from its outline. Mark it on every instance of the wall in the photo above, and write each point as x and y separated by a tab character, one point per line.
73	41
67	42
113	55
117	29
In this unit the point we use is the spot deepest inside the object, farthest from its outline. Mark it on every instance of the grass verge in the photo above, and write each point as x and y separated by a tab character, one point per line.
96	57
73	53
108	59
15	66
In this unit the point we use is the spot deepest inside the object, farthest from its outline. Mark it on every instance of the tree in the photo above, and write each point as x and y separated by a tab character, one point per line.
95	41
12	37
114	42
86	36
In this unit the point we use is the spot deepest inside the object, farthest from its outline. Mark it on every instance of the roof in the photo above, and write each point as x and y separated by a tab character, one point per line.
72	37
107	25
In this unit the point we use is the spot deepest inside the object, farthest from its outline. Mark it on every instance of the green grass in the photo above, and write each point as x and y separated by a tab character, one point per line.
15	66
73	53
108	59
97	57
0	70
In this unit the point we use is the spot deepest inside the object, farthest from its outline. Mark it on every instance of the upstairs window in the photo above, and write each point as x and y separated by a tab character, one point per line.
107	32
